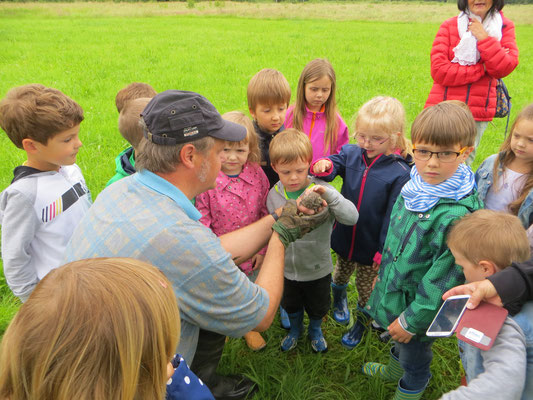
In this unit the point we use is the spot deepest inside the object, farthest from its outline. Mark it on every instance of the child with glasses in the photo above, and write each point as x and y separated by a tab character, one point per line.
373	173
417	267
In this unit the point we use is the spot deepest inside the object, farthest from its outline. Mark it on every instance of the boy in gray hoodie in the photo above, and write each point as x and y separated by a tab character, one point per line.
308	264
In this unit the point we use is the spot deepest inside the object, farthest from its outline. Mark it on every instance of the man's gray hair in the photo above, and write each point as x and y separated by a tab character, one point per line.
164	159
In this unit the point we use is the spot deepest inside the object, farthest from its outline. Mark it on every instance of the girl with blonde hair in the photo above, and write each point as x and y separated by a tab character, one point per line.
103	328
373	172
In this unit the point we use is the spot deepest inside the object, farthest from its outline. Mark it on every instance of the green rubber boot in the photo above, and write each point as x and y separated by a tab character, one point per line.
404	394
392	372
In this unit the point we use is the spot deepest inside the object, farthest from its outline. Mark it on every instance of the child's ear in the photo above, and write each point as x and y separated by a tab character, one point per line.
252	113
274	168
467	152
29	146
488	268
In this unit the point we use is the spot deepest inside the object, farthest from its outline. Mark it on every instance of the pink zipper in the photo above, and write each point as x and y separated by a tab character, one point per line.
360	200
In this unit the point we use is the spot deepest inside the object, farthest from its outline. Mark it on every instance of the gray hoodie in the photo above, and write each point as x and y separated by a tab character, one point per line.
309	258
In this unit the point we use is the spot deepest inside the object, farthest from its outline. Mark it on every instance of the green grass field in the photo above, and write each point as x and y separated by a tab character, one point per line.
92	50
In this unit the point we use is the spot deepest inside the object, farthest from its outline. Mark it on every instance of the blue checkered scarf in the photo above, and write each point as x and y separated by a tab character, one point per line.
421	196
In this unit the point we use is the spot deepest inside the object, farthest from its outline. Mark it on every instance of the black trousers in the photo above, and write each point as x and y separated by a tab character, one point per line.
313	296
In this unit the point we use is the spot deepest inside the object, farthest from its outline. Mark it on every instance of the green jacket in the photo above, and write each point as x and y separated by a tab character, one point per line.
417	267
124	164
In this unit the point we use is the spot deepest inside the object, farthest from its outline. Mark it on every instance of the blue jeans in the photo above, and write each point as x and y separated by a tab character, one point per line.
415	359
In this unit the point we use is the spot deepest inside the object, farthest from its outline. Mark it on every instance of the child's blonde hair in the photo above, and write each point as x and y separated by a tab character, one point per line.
133	91
507	156
314	70
444	124
491	236
268	87
251	137
289	146
102	328
129	120
37	112
387	115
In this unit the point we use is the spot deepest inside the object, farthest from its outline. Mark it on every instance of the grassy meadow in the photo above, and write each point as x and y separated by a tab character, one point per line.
92	50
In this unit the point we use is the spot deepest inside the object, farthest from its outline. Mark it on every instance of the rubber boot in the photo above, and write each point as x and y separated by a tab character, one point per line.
284	319
318	343
290	341
392	372
205	363
404	394
353	337
341	313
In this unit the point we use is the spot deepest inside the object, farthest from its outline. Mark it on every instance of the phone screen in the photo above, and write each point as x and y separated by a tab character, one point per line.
448	316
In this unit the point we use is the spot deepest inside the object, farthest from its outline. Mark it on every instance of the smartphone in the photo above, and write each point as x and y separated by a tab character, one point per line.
448	317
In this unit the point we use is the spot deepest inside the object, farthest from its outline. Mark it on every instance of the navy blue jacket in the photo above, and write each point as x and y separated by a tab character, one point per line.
373	189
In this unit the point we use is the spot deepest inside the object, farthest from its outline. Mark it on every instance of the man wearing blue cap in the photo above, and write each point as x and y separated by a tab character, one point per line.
149	216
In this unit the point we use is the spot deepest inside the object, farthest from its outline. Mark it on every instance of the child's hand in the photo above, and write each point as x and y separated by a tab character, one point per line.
257	261
374	281
375	266
398	333
320	190
321	166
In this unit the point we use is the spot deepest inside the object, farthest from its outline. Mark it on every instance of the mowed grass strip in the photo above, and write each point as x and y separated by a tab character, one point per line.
90	51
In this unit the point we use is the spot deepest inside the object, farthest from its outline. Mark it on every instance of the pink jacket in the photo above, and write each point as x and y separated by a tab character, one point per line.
235	203
314	127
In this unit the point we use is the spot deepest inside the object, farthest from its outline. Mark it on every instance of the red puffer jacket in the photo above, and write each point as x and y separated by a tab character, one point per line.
473	84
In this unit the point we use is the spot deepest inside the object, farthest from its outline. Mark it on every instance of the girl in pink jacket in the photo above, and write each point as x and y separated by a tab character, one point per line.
315	111
239	198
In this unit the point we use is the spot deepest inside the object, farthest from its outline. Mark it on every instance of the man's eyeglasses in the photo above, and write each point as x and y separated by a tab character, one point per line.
444	156
371	140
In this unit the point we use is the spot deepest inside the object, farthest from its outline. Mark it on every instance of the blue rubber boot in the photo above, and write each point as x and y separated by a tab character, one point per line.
341	313
290	341
284	318
353	337
318	343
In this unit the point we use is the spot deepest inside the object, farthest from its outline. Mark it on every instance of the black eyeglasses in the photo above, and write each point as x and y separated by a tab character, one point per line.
444	156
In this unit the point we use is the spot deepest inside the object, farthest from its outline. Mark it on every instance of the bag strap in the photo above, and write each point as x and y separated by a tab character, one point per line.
506	93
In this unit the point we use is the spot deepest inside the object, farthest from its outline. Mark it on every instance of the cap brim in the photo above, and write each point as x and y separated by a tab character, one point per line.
230	131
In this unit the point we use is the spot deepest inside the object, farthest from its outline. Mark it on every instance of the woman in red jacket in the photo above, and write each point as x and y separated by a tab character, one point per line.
469	54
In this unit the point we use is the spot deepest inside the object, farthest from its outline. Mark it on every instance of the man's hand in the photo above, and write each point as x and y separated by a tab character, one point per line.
398	333
292	225
479	291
